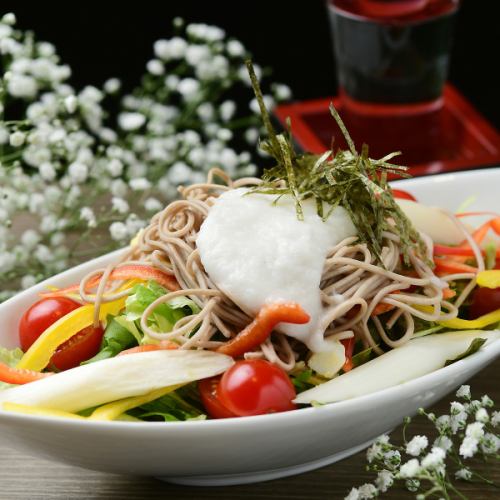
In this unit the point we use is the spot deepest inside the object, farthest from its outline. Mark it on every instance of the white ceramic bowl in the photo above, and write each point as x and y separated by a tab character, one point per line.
235	451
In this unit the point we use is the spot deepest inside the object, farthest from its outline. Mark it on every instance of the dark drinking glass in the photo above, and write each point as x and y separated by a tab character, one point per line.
392	62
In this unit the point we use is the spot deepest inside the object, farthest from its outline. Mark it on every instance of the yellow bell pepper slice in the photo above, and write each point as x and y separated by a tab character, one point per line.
473	324
489	279
112	411
37	357
40	411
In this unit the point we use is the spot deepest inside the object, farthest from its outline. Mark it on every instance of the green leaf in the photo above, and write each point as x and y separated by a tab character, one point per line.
475	345
116	339
164	315
362	357
301	380
183	404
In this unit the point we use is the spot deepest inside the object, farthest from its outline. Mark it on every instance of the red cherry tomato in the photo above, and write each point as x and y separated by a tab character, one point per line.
42	314
484	301
208	388
82	346
255	387
399	193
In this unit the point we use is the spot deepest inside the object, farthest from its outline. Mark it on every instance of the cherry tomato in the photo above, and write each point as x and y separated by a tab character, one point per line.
42	314
82	346
208	388
255	387
484	300
399	193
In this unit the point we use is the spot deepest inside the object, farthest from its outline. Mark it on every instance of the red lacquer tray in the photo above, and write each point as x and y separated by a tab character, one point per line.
456	137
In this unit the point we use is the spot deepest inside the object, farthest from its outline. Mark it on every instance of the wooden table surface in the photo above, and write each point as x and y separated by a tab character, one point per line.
26	477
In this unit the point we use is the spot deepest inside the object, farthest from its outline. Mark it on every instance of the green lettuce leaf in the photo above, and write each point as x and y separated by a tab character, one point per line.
116	339
165	315
183	404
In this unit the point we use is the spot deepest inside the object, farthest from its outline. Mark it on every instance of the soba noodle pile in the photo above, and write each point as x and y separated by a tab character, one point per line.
353	283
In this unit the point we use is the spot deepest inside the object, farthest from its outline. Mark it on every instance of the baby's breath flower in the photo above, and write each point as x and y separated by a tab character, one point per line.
87	214
417	445
487	402
22	86
17	139
463	392
367	491
118	231
475	430
155	67
463	474
179	173
9	18
78	172
495	418
28	281
409	469
153	205
353	494
131	121
112	85
115	167
384	480
120	205
281	92
235	48
254	105
188	88
139	184
433	459
392	459
47	171
490	443
443	442
468	447
482	415
443	423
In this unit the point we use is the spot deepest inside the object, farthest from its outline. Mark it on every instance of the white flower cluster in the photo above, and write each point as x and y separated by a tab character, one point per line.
469	423
72	173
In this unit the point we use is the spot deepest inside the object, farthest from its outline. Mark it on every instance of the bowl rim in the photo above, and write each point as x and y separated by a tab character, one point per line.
484	356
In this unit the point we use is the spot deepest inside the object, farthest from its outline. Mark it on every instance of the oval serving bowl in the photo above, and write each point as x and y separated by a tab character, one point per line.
251	449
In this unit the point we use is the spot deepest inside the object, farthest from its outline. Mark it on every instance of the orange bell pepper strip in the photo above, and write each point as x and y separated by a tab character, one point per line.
123	273
261	327
11	375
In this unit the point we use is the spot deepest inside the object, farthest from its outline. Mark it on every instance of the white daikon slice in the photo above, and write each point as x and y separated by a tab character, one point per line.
256	251
117	378
433	222
414	359
328	363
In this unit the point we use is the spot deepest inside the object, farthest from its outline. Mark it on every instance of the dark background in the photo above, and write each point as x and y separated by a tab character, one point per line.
104	39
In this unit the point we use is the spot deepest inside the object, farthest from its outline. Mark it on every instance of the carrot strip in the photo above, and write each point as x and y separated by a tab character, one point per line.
261	327
382	308
449	266
448	293
11	375
164	345
349	350
123	273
